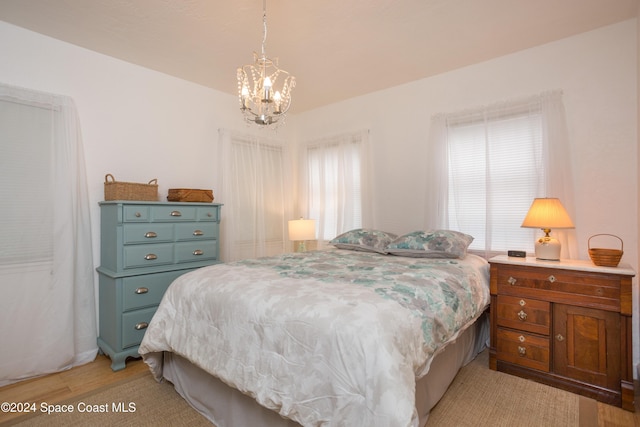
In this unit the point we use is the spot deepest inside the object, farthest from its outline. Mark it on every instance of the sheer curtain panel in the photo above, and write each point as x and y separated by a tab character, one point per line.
47	303
336	173
256	190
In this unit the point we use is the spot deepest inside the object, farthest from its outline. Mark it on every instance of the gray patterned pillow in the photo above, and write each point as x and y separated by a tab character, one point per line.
363	239
431	244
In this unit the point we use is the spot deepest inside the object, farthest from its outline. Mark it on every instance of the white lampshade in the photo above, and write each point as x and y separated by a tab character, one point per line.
301	230
547	213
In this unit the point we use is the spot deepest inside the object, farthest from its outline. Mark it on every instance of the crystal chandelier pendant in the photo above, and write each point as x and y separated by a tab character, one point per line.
264	90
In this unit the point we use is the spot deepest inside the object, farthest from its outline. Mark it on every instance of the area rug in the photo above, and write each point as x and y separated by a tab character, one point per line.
137	402
480	397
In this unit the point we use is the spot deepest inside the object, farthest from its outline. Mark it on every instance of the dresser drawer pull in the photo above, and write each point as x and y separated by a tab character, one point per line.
150	257
198	252
176	213
141	325
522	303
522	315
209	214
521	338
141	291
522	351
138	214
198	233
150	234
552	278
559	337
511	281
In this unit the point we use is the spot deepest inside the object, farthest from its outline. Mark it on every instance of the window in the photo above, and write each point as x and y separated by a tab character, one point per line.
496	169
335	172
485	166
254	176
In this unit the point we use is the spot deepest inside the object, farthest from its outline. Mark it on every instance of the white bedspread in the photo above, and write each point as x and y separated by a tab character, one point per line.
328	338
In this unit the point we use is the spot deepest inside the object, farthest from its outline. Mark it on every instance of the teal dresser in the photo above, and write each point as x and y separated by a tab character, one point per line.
144	247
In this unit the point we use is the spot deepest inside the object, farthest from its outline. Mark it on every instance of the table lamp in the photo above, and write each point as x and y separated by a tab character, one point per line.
301	230
547	213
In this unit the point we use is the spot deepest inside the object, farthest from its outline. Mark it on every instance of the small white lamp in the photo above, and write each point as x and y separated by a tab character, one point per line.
301	230
547	213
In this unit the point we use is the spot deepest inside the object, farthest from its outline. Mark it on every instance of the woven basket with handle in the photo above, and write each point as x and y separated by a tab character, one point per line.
118	190
605	257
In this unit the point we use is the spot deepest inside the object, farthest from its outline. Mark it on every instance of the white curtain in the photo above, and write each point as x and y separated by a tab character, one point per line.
336	175
257	195
47	303
504	135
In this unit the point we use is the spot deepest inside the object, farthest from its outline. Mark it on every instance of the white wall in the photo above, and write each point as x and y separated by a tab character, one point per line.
597	72
139	124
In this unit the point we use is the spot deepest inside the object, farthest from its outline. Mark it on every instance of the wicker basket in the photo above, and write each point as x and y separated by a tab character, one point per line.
118	190
605	257
190	195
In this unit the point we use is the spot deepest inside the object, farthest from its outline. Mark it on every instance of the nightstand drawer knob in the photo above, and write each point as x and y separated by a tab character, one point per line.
198	252
522	351
512	281
141	325
522	303
150	257
522	315
521	338
150	234
559	337
141	291
552	278
176	213
198	233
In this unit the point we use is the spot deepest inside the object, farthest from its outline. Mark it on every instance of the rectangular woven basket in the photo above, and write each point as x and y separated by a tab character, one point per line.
119	190
190	195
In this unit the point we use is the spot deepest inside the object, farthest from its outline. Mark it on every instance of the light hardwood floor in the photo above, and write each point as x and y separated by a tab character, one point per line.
82	380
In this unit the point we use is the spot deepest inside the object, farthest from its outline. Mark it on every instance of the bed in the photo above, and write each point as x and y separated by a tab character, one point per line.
338	337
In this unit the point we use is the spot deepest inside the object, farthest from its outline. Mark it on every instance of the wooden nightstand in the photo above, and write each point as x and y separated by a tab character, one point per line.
564	323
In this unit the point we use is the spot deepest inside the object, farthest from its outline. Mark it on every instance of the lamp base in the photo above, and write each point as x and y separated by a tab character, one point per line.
548	248
300	246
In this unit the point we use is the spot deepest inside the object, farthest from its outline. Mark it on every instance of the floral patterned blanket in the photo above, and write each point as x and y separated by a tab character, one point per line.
325	338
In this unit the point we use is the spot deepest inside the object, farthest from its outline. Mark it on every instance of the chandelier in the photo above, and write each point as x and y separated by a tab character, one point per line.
264	90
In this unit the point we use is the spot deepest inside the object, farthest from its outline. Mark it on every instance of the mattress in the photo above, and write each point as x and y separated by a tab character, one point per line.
331	337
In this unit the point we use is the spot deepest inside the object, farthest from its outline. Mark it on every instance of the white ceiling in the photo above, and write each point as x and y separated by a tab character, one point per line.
337	49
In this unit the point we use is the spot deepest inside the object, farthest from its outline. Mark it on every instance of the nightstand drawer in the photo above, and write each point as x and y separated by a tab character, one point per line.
524	314
134	325
146	290
560	285
523	349
147	255
147	233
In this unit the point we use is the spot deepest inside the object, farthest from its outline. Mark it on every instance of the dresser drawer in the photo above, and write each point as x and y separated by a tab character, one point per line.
147	233
211	213
147	290
137	256
135	213
134	324
521	348
524	314
196	231
593	289
174	213
196	251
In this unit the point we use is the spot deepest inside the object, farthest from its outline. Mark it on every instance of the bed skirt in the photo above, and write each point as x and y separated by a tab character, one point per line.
227	407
